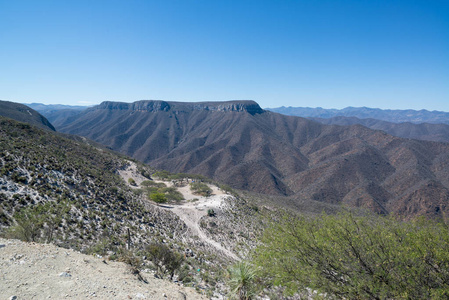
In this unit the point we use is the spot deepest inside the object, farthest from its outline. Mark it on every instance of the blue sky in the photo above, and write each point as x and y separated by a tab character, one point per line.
317	53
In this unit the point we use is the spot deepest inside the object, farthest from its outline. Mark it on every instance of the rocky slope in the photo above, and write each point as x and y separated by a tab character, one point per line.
73	194
250	148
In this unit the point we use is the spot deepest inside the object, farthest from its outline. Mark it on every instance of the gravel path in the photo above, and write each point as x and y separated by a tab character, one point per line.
44	271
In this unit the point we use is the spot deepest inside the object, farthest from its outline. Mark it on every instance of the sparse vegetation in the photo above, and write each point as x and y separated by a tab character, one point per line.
200	188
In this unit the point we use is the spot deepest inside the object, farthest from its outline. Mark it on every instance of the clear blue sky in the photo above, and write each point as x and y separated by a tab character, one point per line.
332	54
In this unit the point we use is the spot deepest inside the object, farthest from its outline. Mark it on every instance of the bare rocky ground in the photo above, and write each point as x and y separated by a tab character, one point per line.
44	271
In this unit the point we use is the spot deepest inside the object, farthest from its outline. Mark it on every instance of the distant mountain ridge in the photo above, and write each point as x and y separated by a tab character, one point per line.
240	144
55	113
421	131
389	115
158	105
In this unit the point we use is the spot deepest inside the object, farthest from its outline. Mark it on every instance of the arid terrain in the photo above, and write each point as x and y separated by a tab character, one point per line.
246	147
44	271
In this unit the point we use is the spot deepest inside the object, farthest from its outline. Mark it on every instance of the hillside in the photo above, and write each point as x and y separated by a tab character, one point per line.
23	113
389	115
75	195
246	147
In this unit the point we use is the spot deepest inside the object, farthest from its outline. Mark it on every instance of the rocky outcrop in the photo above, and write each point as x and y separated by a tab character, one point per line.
157	105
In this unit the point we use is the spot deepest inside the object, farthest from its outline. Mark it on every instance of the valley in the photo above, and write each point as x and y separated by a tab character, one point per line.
194	205
248	148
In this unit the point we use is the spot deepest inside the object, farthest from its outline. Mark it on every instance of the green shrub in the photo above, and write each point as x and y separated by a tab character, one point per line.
358	257
163	175
172	193
165	260
150	183
158	197
200	188
38	222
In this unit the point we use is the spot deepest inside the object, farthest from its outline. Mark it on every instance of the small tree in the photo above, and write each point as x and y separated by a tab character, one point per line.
358	257
165	260
200	188
159	198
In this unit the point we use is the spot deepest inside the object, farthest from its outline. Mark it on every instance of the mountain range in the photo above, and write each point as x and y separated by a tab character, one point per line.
389	115
240	144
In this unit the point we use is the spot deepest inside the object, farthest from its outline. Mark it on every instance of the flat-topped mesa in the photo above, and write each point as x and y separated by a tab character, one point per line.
244	105
143	105
158	105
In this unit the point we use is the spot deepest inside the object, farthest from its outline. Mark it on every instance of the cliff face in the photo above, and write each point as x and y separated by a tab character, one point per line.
158	105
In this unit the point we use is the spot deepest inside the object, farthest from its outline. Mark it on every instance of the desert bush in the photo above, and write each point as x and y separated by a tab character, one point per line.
200	188
165	260
132	182
38	222
357	257
150	183
163	175
158	197
172	194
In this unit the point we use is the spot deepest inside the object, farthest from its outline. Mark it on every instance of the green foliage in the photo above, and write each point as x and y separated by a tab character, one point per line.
200	188
165	260
160	188
38	222
151	183
163	175
132	182
358	257
172	193
242	281
158	198
211	212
